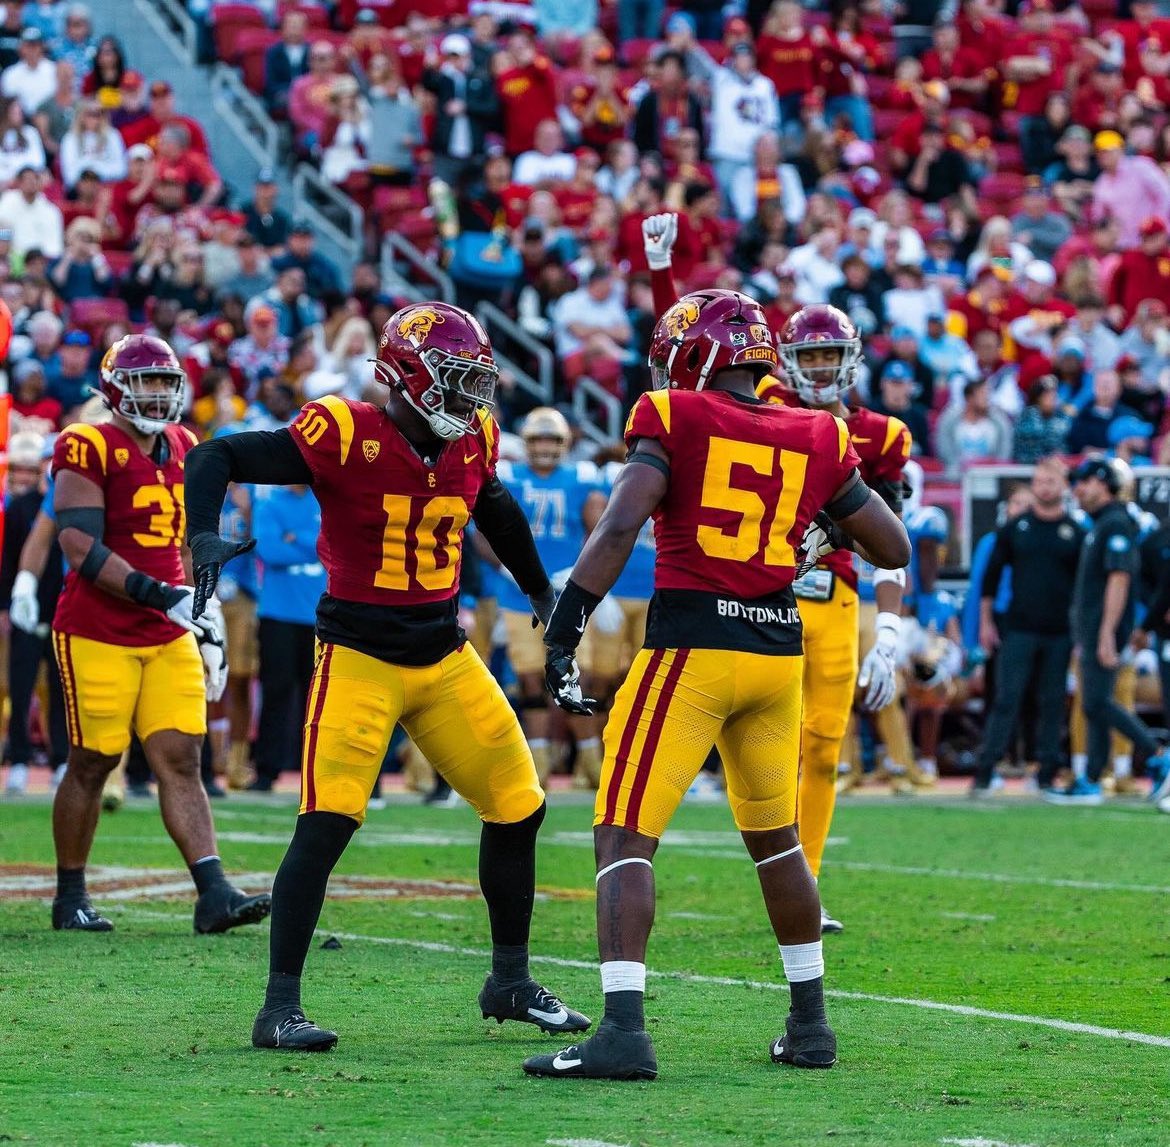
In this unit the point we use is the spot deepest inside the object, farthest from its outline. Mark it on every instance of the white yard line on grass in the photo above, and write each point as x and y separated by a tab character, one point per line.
982	1143
982	917
998	877
583	1143
763	985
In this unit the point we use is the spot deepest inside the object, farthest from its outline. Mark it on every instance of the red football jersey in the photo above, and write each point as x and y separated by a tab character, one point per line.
391	521
145	525
880	441
746	478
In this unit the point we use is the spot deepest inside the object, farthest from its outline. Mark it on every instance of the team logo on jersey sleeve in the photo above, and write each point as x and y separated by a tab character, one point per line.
680	317
370	448
121	455
416	324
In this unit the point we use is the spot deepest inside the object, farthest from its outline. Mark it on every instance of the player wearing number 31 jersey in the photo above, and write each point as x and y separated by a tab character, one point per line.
397	485
732	483
130	653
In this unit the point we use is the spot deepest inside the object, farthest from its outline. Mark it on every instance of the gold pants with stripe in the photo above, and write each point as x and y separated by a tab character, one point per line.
674	705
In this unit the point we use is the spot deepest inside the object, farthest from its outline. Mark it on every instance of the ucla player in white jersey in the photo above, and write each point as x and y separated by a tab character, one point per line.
562	501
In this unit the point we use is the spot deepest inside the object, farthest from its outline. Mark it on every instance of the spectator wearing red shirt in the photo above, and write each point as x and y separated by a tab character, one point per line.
162	114
32	408
701	204
687	167
1090	259
1034	312
1098	102
308	97
844	54
982	307
648	196
786	55
1142	273
906	141
528	93
600	103
577	197
963	70
176	160
1033	67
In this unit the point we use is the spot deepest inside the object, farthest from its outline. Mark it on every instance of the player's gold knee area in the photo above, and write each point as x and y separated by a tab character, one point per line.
763	816
514	806
344	795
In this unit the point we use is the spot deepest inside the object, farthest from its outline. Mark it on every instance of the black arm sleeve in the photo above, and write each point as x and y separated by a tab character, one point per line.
890	492
1001	555
502	522
269	457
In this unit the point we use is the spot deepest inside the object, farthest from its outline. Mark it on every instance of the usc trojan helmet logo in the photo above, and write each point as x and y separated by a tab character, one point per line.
682	315
416	324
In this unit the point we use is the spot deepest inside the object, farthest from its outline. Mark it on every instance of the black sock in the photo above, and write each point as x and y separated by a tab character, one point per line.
808	1001
282	991
71	884
510	964
207	874
507	877
299	889
625	1010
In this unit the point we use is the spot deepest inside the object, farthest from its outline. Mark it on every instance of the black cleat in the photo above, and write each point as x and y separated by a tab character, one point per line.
530	1004
227	907
805	1045
286	1029
610	1054
78	916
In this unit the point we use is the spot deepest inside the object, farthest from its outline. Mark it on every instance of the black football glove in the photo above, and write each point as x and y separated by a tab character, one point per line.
209	554
562	679
543	604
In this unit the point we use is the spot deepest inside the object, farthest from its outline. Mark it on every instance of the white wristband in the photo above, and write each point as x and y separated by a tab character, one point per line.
887	620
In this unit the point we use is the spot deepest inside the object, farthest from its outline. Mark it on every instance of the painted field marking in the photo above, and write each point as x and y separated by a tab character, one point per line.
982	917
583	1143
763	985
981	1143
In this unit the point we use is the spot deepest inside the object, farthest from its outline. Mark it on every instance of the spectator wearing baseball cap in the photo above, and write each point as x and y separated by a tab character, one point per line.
131	111
262	349
682	36
77	378
1130	188
897	397
1129	439
33	78
264	220
467	106
1143	272
33	408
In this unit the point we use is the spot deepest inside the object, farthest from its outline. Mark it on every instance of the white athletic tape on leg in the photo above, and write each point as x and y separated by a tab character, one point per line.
778	856
619	863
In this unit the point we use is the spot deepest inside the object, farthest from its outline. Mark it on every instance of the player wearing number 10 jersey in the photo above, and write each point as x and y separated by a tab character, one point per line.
123	631
732	483
397	485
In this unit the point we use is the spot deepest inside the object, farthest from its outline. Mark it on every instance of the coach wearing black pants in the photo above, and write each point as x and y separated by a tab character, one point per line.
1041	547
286	522
1102	619
1155	558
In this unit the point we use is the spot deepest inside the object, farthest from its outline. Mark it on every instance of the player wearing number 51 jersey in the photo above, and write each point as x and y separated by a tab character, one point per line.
128	648
397	485
732	484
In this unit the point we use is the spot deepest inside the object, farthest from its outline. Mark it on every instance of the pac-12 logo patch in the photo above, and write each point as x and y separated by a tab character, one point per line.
370	448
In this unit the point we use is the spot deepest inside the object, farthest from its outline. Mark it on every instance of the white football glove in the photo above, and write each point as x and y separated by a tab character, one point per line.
818	542
25	610
181	599
879	670
658	235
212	649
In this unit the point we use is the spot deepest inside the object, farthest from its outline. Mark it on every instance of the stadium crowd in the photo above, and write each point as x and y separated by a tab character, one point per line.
983	189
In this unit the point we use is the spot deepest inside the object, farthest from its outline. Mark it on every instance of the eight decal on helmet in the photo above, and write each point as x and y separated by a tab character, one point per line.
818	327
706	332
439	358
141	380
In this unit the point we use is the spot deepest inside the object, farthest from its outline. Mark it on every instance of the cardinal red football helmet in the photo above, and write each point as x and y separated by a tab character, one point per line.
706	332
439	358
141	379
816	327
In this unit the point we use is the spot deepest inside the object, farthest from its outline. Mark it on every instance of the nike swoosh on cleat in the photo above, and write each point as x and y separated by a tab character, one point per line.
557	1017
562	1064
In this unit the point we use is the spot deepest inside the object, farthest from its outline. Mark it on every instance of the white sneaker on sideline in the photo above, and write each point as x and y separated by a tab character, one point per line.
17	780
704	790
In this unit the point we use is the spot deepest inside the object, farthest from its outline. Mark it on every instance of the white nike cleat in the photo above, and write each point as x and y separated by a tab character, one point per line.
17	780
829	924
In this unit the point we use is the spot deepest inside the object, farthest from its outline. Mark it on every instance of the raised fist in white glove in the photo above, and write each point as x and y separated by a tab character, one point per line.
25	610
879	671
658	235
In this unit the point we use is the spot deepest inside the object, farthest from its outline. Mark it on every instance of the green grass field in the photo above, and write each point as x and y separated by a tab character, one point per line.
997	964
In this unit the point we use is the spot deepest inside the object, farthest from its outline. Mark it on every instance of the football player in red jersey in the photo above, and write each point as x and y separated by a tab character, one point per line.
130	652
397	485
732	483
819	352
